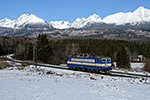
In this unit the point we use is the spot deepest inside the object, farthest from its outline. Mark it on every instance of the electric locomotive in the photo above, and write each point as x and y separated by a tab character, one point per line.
90	62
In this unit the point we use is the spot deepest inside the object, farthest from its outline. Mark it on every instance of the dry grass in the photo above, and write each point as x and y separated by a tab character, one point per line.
3	65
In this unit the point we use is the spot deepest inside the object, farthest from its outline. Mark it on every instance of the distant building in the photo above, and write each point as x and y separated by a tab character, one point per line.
141	57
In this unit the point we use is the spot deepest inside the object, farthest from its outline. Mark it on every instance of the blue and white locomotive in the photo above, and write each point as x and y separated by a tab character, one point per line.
89	62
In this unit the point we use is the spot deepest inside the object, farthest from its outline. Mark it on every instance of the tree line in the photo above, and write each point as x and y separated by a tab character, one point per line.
55	51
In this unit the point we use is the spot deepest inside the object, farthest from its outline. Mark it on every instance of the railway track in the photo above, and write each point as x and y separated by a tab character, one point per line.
113	73
130	74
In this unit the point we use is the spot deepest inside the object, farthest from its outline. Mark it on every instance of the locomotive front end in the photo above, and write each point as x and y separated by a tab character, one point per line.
106	64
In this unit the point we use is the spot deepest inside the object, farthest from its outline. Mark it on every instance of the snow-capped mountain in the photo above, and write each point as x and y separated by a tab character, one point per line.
78	23
139	16
25	21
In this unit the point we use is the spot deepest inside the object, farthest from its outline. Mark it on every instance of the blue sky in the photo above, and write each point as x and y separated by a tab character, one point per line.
68	10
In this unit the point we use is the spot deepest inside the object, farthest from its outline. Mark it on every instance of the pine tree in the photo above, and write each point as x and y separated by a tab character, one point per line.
122	58
30	51
44	49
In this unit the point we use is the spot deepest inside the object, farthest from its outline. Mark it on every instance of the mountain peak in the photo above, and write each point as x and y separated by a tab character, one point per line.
29	18
143	14
141	11
141	8
94	16
6	22
6	19
24	15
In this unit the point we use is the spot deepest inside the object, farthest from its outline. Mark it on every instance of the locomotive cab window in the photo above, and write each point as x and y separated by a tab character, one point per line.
108	60
103	60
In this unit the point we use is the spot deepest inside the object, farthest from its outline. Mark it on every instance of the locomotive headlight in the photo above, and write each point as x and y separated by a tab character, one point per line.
106	66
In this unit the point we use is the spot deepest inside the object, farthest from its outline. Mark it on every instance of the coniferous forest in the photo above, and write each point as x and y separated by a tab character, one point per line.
56	50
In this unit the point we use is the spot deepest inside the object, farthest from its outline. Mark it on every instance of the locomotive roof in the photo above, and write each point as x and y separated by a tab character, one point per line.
87	56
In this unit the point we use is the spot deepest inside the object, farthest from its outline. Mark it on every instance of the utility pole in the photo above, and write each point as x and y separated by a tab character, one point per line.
35	54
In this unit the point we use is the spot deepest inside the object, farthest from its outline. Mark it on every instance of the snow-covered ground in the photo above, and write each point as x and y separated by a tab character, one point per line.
29	83
136	68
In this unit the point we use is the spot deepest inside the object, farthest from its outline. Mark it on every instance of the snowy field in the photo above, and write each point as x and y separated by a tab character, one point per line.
28	83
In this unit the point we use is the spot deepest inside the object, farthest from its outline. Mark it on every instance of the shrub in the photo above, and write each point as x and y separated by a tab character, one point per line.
54	60
147	65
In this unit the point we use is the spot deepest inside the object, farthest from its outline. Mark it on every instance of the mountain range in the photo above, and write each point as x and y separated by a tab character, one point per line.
139	18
